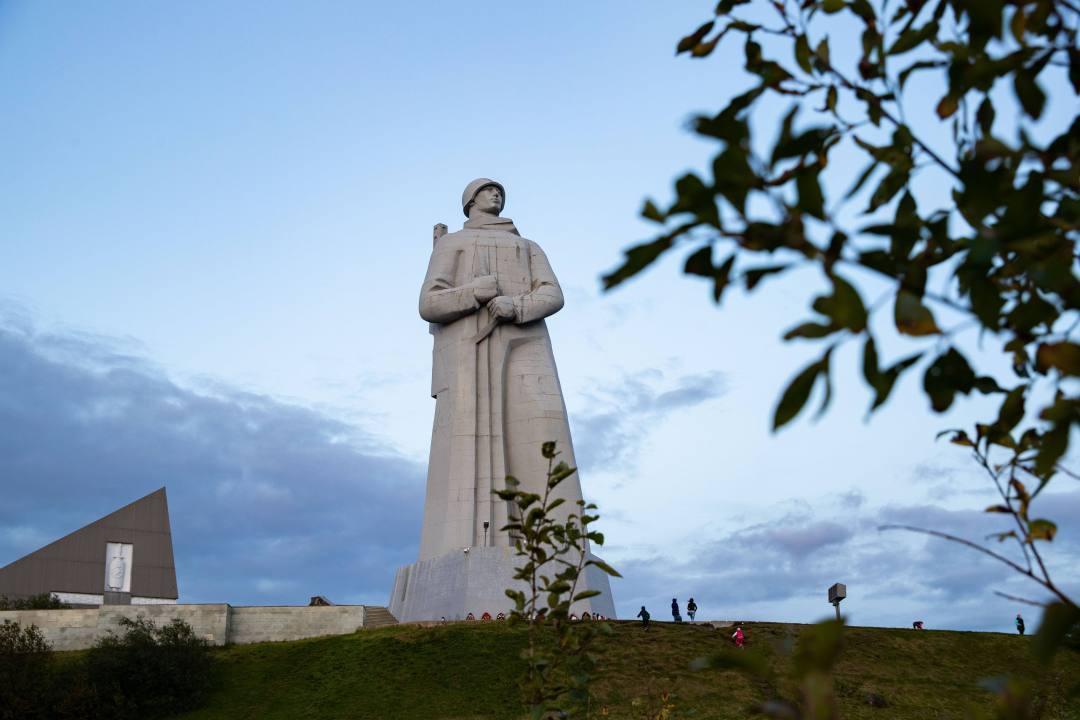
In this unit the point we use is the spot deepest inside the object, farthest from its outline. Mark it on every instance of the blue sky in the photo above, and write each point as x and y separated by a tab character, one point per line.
216	219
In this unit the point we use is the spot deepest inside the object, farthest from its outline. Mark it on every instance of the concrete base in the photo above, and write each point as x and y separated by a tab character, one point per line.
453	585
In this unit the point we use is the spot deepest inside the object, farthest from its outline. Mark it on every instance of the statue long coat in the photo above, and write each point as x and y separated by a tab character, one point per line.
497	400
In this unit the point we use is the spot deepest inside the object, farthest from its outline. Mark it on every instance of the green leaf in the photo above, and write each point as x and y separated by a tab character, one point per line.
961	438
691	40
650	212
1012	410
810	330
886	380
1074	69
1031	96
1057	620
864	10
912	317
844	307
826	375
870	361
726	6
822	53
796	395
863	177
637	259
604	567
911	38
947	106
809	141
706	48
811	201
585	595
1053	446
832	6
1062	356
985	115
722	277
802	54
733	177
755	275
700	262
949	374
694	196
915	67
1041	530
887	189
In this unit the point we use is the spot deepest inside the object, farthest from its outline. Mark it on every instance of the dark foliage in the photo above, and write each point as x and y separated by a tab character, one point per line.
1000	240
554	553
42	601
25	665
146	672
969	219
149	671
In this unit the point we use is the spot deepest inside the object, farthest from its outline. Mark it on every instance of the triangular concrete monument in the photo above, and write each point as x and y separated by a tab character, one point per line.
124	557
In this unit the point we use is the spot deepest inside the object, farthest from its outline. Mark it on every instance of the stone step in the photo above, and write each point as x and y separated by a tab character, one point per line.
376	617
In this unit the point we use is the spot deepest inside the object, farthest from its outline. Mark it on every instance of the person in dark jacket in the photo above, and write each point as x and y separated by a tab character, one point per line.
1019	624
644	615
675	611
691	609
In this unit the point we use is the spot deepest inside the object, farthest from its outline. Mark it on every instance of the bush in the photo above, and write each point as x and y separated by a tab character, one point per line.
149	671
25	671
42	601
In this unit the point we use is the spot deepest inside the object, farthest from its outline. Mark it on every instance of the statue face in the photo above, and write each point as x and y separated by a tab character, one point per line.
488	200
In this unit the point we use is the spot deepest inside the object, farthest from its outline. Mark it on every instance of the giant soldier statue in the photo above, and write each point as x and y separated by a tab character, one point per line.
497	400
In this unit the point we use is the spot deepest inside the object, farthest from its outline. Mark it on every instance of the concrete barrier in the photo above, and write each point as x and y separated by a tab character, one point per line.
220	624
269	624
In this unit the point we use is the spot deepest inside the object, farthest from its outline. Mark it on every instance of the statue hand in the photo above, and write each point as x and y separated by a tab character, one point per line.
485	288
502	308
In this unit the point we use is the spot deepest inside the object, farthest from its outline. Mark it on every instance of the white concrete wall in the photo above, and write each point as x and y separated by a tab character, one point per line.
220	624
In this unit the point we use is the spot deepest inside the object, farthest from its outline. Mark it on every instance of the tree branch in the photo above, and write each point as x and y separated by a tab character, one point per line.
975	546
1020	599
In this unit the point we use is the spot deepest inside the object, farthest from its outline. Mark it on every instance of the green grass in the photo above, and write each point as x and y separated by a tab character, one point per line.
469	671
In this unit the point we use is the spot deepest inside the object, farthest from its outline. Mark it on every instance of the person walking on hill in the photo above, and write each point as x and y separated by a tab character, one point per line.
1019	624
675	611
739	637
644	615
691	609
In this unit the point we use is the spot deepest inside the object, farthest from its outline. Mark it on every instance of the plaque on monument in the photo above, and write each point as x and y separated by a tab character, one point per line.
118	557
497	400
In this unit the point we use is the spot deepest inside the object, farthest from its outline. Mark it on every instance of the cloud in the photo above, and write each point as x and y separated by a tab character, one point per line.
795	540
269	501
780	569
619	413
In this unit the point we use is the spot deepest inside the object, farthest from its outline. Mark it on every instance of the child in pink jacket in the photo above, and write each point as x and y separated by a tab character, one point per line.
739	637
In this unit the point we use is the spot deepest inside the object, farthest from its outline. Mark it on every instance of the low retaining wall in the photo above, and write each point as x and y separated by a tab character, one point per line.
268	624
220	624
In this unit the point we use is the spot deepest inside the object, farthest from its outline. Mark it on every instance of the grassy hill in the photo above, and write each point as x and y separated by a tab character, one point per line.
469	671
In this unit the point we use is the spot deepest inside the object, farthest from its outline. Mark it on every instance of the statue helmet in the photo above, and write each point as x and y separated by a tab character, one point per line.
476	186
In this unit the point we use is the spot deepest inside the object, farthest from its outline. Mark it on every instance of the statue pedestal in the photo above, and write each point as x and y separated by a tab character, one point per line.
115	597
475	581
